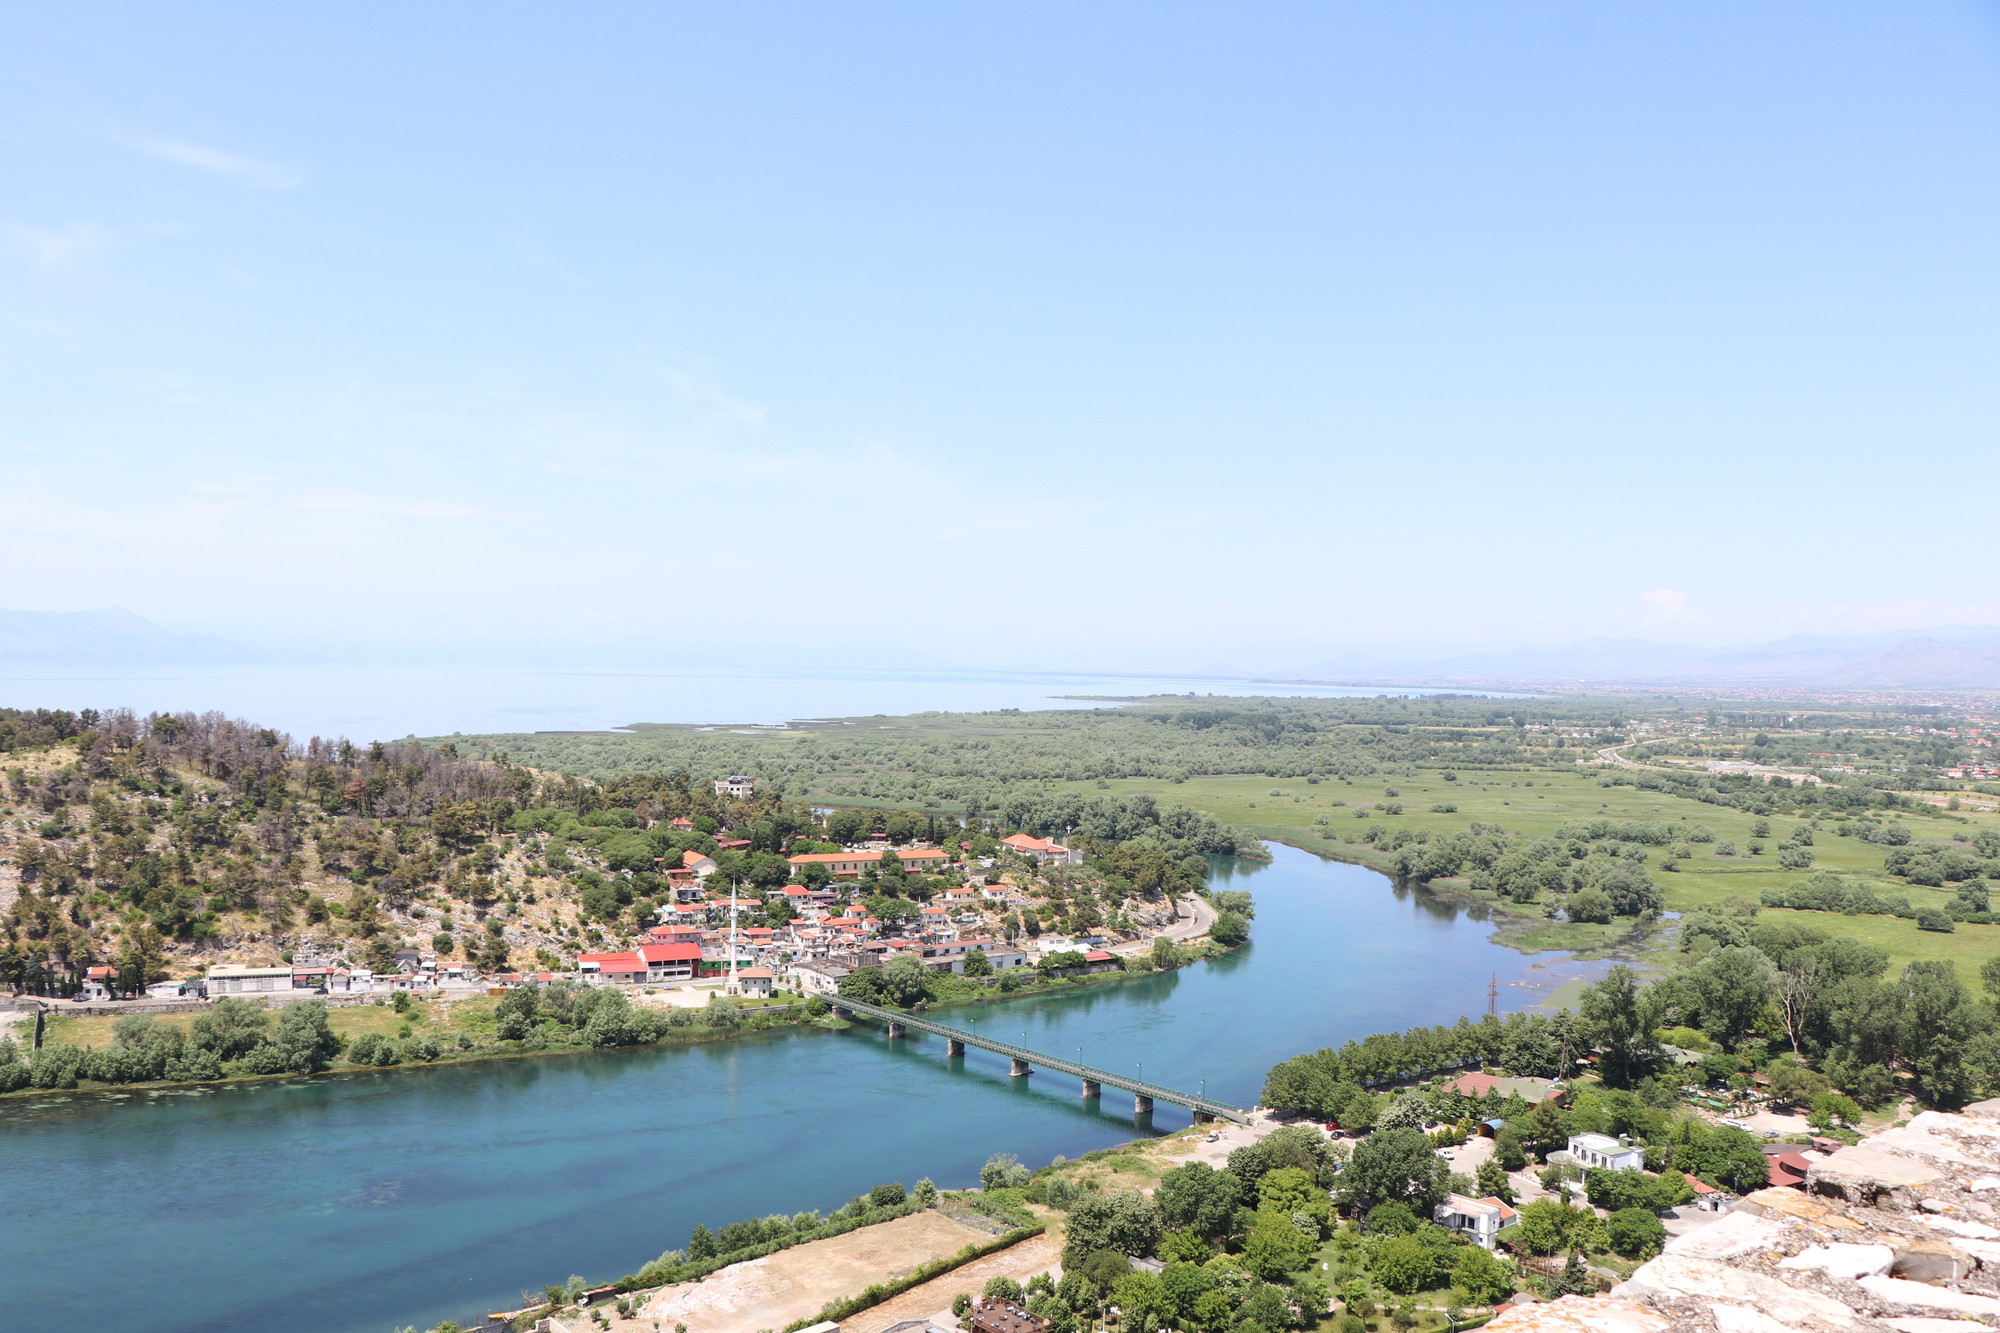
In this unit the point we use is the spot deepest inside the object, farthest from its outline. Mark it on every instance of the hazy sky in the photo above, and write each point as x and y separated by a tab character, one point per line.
1072	335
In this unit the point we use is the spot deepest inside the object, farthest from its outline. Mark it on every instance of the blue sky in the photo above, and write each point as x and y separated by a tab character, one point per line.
1051	335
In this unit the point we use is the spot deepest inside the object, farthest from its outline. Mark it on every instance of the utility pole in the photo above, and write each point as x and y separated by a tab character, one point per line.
1493	997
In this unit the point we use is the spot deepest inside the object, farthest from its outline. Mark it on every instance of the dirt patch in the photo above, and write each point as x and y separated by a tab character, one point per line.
771	1292
932	1300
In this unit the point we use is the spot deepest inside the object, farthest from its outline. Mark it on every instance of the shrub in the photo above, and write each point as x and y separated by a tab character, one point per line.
1635	1233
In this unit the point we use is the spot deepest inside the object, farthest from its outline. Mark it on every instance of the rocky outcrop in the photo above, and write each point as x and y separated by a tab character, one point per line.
1900	1232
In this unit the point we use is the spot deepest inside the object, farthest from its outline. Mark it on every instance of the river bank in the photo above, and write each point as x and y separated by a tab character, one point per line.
1639	943
753	1017
363	1201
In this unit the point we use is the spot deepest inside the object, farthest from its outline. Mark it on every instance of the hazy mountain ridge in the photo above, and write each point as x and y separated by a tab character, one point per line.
111	636
1958	657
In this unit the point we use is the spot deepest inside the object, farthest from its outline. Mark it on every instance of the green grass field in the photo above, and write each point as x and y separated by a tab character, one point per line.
438	1019
1537	803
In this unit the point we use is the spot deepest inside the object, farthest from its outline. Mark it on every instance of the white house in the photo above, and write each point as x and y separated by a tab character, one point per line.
236	979
816	978
737	785
1478	1219
1601	1150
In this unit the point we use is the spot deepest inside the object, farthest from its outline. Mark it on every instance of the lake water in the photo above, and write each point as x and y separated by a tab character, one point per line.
361	1203
367	703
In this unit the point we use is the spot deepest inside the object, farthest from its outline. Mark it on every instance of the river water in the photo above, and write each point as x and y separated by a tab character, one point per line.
361	1203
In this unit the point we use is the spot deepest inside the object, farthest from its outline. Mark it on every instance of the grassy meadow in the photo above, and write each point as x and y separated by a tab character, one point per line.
1539	802
440	1019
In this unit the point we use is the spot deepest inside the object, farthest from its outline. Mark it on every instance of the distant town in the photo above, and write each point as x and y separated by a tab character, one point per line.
702	945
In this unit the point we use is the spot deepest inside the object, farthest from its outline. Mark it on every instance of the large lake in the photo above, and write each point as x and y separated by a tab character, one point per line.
361	1203
364	702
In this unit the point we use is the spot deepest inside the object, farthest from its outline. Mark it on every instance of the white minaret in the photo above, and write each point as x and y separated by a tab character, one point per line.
734	987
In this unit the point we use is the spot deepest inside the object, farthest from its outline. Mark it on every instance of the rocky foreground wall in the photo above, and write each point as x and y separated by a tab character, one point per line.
1901	1231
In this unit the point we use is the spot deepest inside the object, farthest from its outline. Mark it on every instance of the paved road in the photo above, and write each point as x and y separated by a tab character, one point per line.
1609	754
1195	919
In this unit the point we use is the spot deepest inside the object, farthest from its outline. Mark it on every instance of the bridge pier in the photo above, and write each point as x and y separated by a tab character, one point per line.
1020	1069
844	1015
1202	1117
1141	1104
1091	1090
895	1029
954	1049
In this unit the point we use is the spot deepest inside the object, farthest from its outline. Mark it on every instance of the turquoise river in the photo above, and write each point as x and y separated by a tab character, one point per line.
362	1203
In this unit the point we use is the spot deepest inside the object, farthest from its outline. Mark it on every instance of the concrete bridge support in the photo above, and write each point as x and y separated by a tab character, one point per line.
895	1029
844	1015
954	1049
1202	1117
1141	1104
1020	1069
1091	1090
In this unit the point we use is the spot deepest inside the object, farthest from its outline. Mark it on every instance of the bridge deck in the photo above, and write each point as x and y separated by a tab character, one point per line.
1102	1077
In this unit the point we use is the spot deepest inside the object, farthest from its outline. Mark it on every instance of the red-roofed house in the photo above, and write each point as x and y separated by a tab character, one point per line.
1044	850
1475	1084
927	860
755	981
624	969
1785	1167
702	866
670	962
1706	1197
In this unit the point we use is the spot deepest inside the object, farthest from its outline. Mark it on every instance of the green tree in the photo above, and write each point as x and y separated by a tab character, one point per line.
1141	1301
1614	1018
1405	1264
1636	1233
1003	1171
1592	906
1484	1278
1493	1182
1229	929
1393	1218
1545	1128
1396	1165
906	981
977	964
1989	977
1182	1285
230	1027
1274	1247
1288	1190
1732	987
1549	1227
1830	1109
1125	1222
1199	1198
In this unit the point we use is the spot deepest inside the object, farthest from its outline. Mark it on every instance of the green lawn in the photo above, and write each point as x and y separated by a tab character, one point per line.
439	1019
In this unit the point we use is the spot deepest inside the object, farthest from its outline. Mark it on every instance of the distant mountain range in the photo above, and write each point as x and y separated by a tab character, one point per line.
110	637
1959	657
